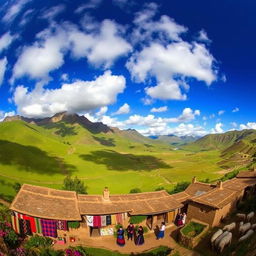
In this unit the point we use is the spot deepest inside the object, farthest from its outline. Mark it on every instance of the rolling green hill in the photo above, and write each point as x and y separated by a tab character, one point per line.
44	151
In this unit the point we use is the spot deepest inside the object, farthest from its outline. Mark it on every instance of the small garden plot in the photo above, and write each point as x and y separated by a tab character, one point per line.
193	229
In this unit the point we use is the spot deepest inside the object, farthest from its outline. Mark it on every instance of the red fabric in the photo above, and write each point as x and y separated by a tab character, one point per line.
97	221
119	218
32	222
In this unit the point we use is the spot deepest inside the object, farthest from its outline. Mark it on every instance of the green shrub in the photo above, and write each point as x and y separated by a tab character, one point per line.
74	185
135	190
137	219
179	187
38	242
159	188
11	239
73	224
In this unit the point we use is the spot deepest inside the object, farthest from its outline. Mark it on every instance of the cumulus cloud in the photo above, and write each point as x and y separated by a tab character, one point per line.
80	96
187	115
159	110
235	110
202	36
217	128
3	65
166	57
102	111
47	53
249	125
5	41
125	109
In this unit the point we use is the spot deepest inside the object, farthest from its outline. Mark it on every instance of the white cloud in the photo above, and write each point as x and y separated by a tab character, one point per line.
218	128
52	12
14	10
125	109
5	41
26	17
221	112
166	57
147	101
64	77
91	4
47	53
79	96
102	111
3	114
249	125
166	62
202	36
160	109
235	110
234	124
3	65
187	115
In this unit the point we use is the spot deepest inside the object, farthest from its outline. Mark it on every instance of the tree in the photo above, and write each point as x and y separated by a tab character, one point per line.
16	186
135	190
74	185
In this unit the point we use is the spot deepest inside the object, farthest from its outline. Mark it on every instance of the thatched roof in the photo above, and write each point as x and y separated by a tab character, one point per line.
67	205
217	198
46	203
147	203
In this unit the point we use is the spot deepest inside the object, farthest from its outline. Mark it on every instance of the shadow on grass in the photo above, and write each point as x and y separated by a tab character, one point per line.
62	129
110	142
123	162
32	159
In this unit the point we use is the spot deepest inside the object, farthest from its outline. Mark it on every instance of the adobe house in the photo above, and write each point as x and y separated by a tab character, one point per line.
212	203
49	211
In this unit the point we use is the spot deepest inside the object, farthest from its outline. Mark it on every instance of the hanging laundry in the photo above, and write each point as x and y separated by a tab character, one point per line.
15	224
25	228
113	219
49	227
108	220
38	226
119	219
62	225
89	220
103	221
97	221
31	222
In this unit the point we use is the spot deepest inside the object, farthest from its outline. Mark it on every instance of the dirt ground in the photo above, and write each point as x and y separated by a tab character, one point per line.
151	242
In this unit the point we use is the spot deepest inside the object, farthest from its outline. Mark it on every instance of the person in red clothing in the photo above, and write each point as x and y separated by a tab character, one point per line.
130	231
120	237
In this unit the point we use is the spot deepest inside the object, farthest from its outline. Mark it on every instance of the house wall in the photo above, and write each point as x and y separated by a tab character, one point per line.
201	212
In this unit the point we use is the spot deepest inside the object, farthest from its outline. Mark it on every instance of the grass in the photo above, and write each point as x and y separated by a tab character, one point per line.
39	156
193	229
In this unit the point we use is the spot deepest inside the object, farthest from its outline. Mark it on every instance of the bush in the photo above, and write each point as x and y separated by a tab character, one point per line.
159	189
74	185
73	224
230	175
16	186
38	242
180	186
135	190
11	239
137	219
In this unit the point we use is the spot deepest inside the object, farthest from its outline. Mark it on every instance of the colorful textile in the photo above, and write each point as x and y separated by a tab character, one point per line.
49	227
31	221
14	224
108	220
89	220
62	225
38	226
113	219
103	221
96	221
25	228
119	218
120	237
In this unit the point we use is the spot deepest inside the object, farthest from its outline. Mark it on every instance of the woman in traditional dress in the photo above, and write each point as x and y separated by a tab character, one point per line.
161	231
179	220
184	216
140	238
130	231
120	237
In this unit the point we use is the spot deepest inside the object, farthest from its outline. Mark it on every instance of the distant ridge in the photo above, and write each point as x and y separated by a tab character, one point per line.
175	140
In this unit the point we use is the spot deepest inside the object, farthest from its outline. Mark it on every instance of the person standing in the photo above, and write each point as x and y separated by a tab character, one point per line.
130	231
140	237
120	237
161	231
184	216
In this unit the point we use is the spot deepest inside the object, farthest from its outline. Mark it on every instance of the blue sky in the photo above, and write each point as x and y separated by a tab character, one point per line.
162	67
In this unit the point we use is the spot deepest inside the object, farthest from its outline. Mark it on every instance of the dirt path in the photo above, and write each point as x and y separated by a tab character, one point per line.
109	243
7	204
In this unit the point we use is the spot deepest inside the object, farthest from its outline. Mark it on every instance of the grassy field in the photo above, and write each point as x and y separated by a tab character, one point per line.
44	156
